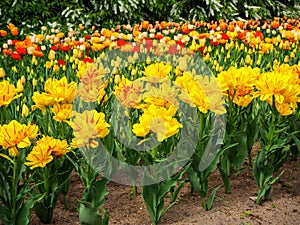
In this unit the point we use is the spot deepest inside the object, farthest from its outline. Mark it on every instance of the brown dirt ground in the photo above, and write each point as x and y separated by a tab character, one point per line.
235	208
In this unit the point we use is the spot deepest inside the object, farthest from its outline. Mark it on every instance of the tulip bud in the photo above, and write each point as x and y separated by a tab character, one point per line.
248	59
34	82
148	60
209	49
286	59
292	55
51	55
20	86
23	79
117	79
56	68
2	73
14	68
13	151
207	57
25	110
48	65
228	55
133	72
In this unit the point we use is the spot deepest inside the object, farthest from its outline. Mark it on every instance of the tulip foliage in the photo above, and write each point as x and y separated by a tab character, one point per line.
154	105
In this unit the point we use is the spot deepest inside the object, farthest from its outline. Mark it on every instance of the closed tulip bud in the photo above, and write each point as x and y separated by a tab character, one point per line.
227	46
51	55
209	49
115	71
258	62
23	79
286	59
207	57
228	55
2	73
20	86
64	67
48	64
292	55
34	82
248	60
25	110
133	72
13	152
14	68
34	60
117	79
242	47
56	68
148	60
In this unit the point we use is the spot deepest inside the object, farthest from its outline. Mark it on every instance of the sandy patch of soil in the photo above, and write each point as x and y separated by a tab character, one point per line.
234	208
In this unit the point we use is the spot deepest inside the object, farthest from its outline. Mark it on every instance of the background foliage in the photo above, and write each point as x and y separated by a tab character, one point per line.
106	13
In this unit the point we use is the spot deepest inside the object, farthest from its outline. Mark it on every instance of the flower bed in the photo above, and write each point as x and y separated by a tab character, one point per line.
151	105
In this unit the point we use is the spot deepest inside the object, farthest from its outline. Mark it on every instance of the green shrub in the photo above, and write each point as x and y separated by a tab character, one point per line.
107	13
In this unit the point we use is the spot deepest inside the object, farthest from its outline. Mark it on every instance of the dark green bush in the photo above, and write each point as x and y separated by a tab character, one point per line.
107	13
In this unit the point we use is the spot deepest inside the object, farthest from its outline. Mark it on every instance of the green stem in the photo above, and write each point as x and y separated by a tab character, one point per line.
201	124
1	115
14	192
62	129
48	201
134	189
204	203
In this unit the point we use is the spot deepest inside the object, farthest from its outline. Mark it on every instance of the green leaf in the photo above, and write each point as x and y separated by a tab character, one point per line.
89	215
5	214
297	142
149	194
212	197
24	214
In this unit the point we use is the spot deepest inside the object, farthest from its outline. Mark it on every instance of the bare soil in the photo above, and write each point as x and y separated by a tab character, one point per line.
234	208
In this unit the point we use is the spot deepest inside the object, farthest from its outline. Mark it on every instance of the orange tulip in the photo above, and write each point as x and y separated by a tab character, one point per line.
14	31
3	33
145	24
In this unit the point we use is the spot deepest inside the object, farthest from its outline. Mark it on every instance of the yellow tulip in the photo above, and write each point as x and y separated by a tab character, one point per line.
25	110
15	135
51	55
2	73
8	93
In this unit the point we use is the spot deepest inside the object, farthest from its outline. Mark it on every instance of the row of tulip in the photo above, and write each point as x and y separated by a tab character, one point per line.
165	104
